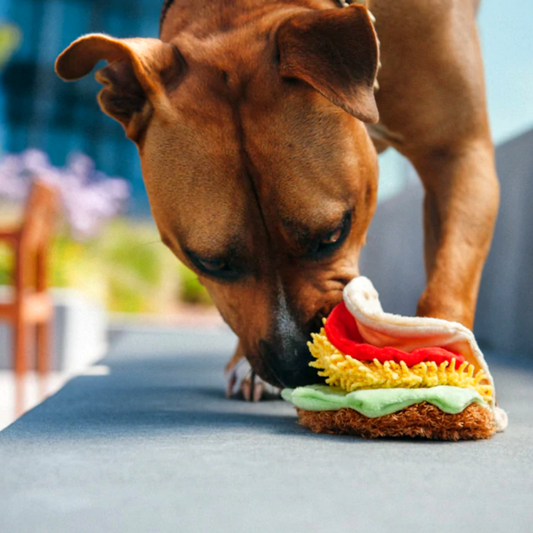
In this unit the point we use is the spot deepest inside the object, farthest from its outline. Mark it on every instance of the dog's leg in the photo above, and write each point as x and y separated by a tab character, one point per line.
460	210
433	98
243	382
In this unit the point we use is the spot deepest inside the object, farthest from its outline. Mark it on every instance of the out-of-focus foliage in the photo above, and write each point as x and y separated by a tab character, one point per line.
10	38
6	265
126	267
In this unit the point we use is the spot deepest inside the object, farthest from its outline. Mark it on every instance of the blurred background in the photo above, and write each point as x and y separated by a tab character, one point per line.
54	128
107	265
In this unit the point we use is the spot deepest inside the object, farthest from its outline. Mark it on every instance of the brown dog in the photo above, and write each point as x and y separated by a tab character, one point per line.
249	117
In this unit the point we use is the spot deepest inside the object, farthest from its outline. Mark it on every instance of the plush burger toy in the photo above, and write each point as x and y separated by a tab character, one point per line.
394	376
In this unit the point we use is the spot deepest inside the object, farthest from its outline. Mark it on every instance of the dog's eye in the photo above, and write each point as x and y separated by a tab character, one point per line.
213	266
224	267
332	237
218	268
332	241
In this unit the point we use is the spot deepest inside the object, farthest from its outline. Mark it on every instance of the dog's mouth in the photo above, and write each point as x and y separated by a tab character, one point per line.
284	362
284	366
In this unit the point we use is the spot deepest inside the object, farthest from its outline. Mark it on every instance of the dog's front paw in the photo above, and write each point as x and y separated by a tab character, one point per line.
243	382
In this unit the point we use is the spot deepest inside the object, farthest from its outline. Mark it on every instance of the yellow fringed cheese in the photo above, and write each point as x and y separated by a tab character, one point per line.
341	370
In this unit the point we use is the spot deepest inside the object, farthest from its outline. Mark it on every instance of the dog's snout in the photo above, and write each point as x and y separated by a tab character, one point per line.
284	356
287	363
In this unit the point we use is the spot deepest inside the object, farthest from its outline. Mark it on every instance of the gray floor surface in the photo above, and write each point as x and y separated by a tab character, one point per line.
155	447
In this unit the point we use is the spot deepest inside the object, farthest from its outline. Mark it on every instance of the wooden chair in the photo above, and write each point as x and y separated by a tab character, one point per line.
30	304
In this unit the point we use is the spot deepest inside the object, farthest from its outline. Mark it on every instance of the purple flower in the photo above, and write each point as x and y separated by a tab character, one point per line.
89	197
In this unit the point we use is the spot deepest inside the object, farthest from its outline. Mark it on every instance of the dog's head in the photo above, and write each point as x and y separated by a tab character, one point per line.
259	170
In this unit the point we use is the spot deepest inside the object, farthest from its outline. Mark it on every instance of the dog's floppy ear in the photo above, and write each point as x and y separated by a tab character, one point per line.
336	51
135	80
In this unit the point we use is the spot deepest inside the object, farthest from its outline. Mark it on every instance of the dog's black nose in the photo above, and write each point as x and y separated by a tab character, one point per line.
286	361
284	356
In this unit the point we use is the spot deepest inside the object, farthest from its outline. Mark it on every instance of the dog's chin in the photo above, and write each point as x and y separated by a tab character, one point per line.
285	364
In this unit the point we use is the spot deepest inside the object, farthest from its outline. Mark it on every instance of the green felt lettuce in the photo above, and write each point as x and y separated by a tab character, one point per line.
379	402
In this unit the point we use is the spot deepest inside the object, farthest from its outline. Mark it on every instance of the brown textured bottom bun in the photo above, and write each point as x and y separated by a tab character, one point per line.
419	420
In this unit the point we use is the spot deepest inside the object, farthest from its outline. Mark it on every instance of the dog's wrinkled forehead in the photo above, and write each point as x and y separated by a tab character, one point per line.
241	134
195	172
194	162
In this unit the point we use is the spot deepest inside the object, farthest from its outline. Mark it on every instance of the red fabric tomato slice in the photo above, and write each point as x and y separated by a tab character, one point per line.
342	332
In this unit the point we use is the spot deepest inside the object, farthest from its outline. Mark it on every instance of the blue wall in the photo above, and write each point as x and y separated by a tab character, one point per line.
41	111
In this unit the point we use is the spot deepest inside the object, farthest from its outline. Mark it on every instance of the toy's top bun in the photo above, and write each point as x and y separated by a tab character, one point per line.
409	333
